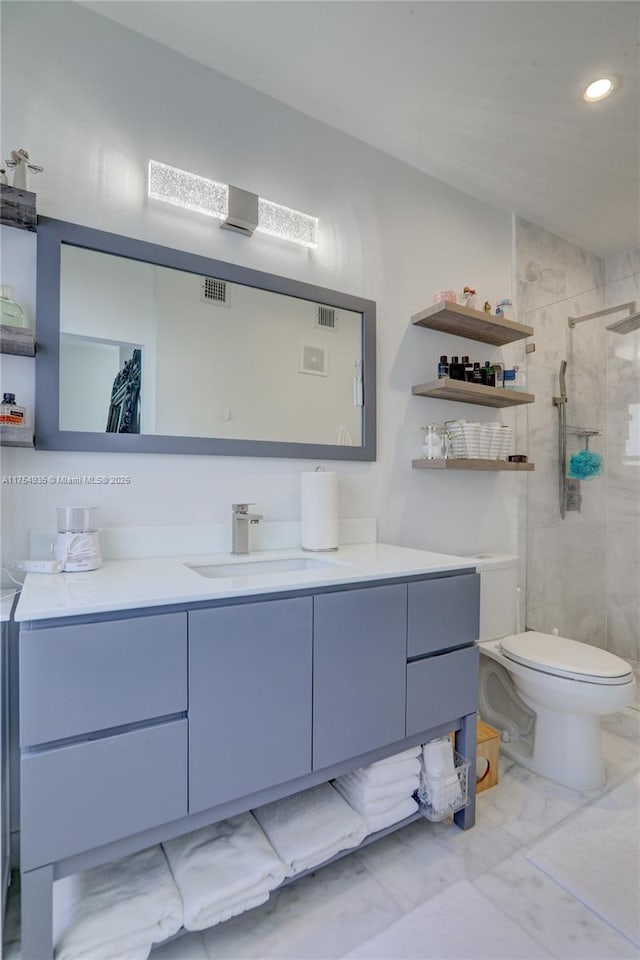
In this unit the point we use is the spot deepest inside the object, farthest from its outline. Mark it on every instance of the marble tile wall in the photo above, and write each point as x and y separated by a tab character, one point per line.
582	574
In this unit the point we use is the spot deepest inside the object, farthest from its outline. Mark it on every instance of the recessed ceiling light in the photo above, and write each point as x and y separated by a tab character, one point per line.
599	89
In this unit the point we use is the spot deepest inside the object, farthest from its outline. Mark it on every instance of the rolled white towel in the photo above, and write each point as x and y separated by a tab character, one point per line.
399	812
440	780
223	869
117	910
310	827
369	800
380	774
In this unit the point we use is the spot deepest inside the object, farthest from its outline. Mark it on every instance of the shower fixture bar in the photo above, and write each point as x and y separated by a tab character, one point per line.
631	307
583	432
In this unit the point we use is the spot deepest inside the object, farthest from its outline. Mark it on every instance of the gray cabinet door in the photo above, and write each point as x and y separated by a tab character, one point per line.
249	698
443	613
359	671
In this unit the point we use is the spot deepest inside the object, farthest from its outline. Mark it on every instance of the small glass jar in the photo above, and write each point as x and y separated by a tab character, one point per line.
433	447
11	313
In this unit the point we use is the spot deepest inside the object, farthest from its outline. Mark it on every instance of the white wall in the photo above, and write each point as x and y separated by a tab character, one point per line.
93	105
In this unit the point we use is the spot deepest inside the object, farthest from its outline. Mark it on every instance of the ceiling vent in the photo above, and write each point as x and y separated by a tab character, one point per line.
326	318
215	291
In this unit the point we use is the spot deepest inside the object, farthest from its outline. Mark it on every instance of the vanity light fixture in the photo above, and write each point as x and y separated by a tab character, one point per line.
599	89
241	211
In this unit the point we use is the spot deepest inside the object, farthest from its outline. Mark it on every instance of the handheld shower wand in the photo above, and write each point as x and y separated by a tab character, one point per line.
561	403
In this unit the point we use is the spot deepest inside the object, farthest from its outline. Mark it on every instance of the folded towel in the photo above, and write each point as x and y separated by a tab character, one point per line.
310	827
369	800
399	812
223	869
440	780
379	774
398	757
117	910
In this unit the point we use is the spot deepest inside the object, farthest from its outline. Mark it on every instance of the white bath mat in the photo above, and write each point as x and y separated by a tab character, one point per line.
595	856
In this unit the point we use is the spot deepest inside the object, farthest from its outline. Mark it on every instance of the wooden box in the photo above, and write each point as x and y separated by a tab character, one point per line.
487	755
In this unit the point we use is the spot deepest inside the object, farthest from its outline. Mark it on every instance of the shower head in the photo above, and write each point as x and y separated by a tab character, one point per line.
628	325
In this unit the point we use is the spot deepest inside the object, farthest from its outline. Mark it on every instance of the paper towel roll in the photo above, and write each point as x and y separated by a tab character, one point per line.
319	513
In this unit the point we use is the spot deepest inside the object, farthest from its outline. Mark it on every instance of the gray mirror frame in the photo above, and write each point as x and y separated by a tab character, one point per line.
48	436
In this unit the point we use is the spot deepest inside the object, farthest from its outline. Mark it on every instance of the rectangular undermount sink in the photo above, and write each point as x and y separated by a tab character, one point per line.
252	568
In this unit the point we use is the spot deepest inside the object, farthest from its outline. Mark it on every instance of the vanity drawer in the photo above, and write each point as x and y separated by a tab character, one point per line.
443	613
441	688
83	795
76	679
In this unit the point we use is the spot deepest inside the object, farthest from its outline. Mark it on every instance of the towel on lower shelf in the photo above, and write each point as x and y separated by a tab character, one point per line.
223	869
382	773
371	800
116	911
378	821
310	827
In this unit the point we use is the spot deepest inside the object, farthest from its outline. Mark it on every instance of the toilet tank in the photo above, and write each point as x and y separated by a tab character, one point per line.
498	594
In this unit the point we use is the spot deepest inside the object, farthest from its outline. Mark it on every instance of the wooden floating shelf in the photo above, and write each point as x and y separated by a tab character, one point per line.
472	324
18	208
447	389
460	464
17	340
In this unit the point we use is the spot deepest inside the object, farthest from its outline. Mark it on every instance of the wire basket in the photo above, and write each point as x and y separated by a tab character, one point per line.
440	796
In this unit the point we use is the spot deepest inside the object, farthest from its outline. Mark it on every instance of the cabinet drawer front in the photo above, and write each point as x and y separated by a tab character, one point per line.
81	678
441	688
83	795
443	613
249	699
359	663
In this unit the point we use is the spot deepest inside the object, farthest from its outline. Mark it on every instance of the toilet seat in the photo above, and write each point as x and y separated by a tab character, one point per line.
562	657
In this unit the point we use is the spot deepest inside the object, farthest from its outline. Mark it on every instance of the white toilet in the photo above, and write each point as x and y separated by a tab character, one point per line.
544	693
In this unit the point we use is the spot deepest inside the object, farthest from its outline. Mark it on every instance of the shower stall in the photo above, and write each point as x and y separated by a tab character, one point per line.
581	508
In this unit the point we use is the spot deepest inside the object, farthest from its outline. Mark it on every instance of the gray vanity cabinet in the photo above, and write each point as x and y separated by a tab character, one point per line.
359	663
249	698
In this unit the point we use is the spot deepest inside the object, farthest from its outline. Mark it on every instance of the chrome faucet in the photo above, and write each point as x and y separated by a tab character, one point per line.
241	518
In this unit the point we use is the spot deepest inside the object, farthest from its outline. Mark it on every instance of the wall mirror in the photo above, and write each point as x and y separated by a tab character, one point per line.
141	348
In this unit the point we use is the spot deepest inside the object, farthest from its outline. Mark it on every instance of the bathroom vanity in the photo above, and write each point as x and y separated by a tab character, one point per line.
143	719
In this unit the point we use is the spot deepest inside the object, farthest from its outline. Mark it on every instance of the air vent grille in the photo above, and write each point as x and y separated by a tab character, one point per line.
213	290
326	318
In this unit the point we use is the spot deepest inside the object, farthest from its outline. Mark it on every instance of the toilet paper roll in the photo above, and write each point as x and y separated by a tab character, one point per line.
319	510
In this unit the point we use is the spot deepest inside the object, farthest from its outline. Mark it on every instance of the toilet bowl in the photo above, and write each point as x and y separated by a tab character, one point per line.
544	693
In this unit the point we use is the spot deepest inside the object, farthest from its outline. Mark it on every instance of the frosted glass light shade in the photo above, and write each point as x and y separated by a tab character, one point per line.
188	190
278	221
184	189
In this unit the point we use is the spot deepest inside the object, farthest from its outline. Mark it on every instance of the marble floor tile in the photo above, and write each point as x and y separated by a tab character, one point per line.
595	857
566	927
416	863
318	917
458	923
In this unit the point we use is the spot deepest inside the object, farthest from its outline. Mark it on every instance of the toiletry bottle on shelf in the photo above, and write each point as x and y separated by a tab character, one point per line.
12	417
510	379
521	378
468	368
11	313
477	374
443	367
488	374
456	370
499	374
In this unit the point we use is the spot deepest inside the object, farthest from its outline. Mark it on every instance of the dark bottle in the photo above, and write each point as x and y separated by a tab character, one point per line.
467	367
443	367
477	373
456	370
489	374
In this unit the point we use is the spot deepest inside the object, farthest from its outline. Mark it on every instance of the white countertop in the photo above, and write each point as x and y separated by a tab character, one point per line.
128	584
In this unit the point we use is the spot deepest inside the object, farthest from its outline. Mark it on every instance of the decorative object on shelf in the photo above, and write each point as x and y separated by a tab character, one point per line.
11	313
13	423
434	446
471	324
444	296
517	458
3	175
504	307
585	465
468	298
241	211
21	163
487	307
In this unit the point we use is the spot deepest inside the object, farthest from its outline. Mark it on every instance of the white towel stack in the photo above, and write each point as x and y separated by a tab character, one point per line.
382	792
119	909
223	869
439	779
310	827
